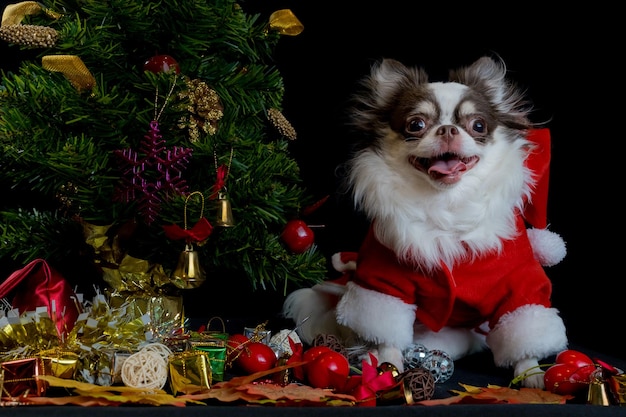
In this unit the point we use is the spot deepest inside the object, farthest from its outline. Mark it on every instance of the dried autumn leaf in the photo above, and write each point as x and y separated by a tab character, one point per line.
85	401
522	395
229	391
493	394
294	392
114	395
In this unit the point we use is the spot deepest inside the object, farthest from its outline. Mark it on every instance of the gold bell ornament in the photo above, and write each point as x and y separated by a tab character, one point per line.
224	216
189	273
224	211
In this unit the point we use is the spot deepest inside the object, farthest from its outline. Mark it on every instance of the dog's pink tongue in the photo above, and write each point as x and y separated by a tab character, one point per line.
450	167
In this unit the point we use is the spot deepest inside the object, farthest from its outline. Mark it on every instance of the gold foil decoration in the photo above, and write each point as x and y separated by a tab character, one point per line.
617	383
161	309
286	23
72	67
134	274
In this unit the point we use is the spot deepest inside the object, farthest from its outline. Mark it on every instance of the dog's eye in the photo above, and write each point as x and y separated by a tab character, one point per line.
478	125
415	125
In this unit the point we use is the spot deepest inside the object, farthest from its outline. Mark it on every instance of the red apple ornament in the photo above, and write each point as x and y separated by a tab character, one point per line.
573	357
297	236
161	63
256	357
328	370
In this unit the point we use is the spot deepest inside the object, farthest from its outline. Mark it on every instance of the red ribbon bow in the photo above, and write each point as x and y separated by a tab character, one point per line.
220	182
372	382
198	233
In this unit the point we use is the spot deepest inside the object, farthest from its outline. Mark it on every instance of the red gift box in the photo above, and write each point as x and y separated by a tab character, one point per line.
20	378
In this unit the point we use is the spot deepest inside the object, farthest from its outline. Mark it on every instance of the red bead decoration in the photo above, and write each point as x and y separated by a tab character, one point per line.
161	63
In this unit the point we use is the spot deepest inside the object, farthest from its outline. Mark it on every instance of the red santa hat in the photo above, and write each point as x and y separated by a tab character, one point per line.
538	161
548	247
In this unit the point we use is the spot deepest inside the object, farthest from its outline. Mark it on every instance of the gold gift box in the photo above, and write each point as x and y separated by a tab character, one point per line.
190	372
62	364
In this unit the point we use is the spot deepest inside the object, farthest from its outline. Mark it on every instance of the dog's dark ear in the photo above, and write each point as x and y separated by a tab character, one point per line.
484	74
489	77
389	75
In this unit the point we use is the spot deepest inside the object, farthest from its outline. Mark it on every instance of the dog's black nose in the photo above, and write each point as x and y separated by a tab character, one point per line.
447	131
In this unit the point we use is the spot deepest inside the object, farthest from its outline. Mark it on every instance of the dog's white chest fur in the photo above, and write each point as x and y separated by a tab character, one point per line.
427	226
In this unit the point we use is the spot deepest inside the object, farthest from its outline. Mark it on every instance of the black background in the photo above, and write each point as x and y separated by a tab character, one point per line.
565	58
568	60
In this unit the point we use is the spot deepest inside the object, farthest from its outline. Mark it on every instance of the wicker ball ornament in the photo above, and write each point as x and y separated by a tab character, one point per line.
419	385
331	341
147	368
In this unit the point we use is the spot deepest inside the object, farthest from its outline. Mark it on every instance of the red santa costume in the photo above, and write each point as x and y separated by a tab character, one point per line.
507	285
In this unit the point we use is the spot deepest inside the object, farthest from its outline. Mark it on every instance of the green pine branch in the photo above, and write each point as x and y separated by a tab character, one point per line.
59	143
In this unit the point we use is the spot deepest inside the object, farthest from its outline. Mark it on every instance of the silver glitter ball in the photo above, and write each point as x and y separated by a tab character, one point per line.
440	364
414	355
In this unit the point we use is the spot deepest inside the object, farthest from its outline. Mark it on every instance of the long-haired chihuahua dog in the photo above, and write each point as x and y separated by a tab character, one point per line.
452	177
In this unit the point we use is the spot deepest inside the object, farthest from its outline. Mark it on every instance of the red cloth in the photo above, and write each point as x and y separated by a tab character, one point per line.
471	294
538	161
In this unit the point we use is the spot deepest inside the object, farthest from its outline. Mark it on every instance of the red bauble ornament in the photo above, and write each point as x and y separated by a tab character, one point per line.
573	357
567	378
570	374
312	353
328	370
256	357
161	63
297	236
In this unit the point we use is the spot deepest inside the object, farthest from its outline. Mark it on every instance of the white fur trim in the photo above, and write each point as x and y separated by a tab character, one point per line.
341	264
314	309
548	247
376	317
531	331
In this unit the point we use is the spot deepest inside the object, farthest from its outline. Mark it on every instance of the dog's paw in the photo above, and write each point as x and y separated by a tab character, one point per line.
529	374
392	355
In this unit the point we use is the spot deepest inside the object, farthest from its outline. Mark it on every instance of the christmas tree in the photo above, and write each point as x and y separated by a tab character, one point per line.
137	131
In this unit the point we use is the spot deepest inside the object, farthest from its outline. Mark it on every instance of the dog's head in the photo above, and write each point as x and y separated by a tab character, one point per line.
440	129
440	160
